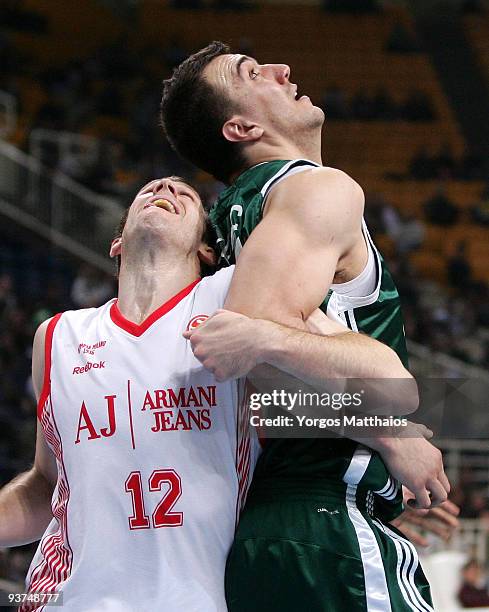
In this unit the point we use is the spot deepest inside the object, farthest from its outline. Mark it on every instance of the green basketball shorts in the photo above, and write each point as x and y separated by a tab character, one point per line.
318	552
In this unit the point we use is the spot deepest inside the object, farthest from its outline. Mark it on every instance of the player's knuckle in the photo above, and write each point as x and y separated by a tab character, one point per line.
419	483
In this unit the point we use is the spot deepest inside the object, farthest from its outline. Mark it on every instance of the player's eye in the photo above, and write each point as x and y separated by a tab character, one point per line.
187	194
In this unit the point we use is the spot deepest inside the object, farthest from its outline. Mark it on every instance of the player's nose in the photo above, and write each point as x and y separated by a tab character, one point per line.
282	72
279	72
165	184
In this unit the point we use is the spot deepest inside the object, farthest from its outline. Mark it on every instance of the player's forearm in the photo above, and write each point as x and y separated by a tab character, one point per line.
315	359
322	361
25	509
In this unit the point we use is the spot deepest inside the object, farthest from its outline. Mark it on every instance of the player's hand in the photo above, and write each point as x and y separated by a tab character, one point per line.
418	465
228	344
441	521
320	324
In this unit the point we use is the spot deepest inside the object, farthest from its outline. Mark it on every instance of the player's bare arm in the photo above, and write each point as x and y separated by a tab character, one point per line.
227	336
25	502
311	221
311	227
231	345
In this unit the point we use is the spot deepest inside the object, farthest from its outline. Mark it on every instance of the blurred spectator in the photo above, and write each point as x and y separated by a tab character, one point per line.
384	106
76	162
422	166
362	105
174	53
186	4
350	6
473	592
471	166
245	46
418	107
91	288
401	40
377	106
8	300
14	16
459	269
405	230
412	234
445	161
391	220
472	6
10	61
480	212
440	210
335	104
374	206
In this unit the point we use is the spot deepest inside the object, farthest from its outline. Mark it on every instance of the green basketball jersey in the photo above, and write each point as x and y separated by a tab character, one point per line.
235	214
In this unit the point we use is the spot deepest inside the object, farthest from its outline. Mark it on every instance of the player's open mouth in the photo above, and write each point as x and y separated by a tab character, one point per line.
166	205
299	98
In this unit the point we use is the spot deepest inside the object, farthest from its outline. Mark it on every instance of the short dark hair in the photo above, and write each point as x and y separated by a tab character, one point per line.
193	113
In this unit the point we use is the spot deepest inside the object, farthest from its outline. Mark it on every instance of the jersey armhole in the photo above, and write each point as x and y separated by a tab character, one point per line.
293	167
46	385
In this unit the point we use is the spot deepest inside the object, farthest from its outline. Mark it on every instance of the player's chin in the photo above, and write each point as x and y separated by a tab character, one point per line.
315	117
318	114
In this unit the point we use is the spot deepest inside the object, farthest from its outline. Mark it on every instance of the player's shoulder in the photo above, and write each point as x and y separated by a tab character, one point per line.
217	284
220	279
79	318
319	194
322	179
41	331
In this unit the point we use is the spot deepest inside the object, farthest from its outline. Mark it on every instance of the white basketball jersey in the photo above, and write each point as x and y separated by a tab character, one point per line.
154	460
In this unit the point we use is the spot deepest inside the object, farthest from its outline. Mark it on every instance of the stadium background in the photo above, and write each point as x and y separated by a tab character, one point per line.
405	89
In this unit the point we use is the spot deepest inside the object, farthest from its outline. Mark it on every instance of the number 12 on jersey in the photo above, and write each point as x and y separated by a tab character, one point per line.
162	515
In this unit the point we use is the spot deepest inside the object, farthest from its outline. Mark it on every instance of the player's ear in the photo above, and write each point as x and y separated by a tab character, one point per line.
116	247
207	255
238	129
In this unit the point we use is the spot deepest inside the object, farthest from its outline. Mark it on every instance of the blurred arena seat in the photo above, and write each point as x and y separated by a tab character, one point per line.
443	572
477	27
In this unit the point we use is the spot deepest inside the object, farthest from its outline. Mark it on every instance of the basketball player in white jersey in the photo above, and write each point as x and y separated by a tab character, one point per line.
143	458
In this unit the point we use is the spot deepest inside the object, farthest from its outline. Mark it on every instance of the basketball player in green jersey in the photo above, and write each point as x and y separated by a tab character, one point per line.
299	233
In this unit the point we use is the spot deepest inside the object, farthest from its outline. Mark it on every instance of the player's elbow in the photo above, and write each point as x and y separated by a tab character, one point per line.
400	385
406	392
409	395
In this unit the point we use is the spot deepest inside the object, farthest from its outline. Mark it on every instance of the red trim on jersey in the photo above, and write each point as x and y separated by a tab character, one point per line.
55	549
46	385
129	408
137	330
243	447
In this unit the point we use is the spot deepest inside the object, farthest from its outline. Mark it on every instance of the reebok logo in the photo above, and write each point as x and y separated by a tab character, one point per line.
89	366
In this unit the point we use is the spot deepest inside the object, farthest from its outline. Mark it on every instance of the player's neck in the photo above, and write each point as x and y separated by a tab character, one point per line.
281	149
145	285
